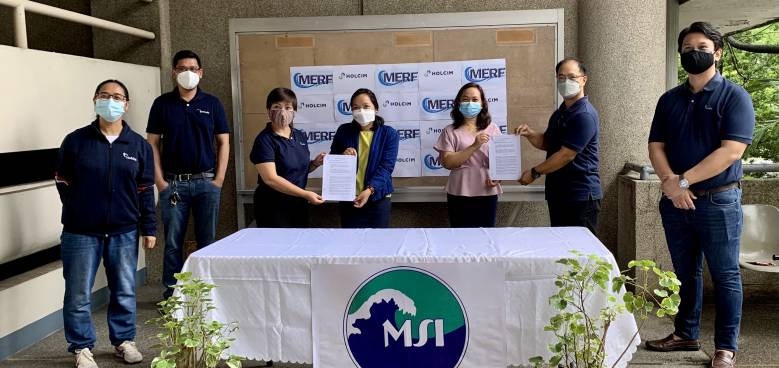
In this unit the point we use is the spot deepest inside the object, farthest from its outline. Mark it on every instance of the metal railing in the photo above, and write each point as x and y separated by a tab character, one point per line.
20	24
646	171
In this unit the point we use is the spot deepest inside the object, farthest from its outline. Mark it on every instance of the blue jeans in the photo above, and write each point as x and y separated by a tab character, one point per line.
81	255
713	231
200	196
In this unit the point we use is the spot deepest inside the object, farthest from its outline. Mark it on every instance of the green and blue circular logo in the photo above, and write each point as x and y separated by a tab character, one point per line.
405	317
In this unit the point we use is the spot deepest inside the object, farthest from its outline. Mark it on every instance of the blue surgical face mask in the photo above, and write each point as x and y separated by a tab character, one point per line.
108	109
470	109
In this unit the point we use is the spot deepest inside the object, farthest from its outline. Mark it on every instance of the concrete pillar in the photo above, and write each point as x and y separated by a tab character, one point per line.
623	44
672	33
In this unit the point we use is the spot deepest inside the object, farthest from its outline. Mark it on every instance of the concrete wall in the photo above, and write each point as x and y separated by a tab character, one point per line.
51	34
641	231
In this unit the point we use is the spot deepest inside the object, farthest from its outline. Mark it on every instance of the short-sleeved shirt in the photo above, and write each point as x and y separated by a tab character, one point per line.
692	126
290	155
470	179
187	130
575	127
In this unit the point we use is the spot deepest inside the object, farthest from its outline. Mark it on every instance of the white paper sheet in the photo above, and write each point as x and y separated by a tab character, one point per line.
314	109
442	76
342	108
308	80
319	137
487	73
339	178
348	78
399	106
505	157
430	131
408	164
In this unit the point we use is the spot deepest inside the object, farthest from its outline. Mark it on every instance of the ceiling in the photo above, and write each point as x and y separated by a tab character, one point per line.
728	15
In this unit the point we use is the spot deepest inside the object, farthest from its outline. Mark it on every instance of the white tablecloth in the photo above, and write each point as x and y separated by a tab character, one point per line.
264	279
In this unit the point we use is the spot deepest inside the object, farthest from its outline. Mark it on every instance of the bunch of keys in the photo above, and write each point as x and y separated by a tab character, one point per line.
174	198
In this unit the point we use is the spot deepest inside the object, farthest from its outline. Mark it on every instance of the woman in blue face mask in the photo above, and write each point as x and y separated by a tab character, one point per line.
472	197
105	179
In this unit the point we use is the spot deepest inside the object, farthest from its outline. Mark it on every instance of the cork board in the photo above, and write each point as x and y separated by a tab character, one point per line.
530	53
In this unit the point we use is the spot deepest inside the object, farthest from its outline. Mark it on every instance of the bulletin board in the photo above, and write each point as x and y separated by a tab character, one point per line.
264	50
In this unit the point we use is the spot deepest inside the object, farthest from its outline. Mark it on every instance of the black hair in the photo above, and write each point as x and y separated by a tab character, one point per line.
378	121
483	119
706	29
186	54
582	67
281	94
107	81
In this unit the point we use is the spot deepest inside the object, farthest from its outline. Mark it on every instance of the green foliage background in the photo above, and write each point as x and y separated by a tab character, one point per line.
759	75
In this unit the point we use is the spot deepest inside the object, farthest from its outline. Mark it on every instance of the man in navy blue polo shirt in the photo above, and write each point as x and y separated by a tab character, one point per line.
185	125
699	133
573	191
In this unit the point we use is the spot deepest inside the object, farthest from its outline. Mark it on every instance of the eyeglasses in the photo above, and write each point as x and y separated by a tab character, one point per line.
182	69
563	77
115	96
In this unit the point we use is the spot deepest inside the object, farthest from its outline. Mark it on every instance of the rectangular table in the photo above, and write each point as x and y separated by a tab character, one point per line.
264	279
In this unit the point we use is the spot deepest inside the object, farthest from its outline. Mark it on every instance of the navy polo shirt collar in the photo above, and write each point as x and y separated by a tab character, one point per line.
122	135
273	133
579	104
198	95
715	82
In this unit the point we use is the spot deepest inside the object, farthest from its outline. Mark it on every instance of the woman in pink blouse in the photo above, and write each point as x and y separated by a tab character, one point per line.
472	197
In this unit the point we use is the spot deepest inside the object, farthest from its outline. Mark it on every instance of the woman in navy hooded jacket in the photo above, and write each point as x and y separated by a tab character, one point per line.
376	147
105	179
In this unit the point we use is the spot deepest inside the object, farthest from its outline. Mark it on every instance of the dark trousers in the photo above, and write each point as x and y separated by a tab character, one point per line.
711	231
574	213
280	211
373	215
471	211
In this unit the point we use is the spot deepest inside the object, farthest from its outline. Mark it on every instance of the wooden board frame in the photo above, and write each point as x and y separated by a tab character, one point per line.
399	23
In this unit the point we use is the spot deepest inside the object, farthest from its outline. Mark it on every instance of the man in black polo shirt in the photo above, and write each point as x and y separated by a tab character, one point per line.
573	191
699	132
184	126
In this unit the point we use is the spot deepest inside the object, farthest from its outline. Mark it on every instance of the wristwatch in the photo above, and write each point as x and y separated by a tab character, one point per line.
534	173
371	189
683	183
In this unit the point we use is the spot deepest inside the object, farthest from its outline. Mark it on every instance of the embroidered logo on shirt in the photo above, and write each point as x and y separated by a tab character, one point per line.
204	112
707	107
125	155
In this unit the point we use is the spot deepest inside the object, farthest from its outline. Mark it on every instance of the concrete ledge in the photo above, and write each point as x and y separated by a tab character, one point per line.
641	233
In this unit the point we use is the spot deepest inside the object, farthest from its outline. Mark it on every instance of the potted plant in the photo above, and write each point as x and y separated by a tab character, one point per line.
580	333
190	339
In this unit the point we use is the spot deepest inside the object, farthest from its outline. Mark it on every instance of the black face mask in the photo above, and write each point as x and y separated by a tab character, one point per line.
696	61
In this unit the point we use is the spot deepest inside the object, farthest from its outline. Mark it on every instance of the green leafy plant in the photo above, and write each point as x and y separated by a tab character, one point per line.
189	338
581	333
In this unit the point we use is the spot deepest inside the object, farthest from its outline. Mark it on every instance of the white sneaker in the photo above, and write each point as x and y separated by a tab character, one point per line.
84	359
128	352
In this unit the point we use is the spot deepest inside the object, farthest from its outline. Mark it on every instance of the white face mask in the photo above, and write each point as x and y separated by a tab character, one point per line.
364	116
568	88
188	79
